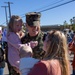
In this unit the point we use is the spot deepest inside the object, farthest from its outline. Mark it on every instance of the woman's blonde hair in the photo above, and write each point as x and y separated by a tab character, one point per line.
11	22
57	49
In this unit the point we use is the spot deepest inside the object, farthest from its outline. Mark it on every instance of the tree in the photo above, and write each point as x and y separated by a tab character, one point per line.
71	21
66	24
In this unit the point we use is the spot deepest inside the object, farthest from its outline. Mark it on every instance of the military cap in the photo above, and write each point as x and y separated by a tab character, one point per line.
33	18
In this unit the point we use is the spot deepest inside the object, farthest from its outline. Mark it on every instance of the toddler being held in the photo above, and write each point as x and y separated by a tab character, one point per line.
26	60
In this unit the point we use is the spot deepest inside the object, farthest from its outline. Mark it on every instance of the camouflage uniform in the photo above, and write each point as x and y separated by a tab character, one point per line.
37	51
33	19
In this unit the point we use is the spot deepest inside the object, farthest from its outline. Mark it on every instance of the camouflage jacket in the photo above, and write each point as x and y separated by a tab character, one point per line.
37	51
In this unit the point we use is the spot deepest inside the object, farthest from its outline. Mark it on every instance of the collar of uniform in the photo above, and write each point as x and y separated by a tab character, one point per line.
34	36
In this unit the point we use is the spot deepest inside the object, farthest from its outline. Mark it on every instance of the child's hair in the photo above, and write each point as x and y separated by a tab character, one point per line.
11	22
57	49
25	51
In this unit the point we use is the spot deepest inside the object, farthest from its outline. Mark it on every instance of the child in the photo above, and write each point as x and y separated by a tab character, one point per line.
14	26
26	60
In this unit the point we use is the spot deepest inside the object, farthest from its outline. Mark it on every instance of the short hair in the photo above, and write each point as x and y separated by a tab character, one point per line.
25	51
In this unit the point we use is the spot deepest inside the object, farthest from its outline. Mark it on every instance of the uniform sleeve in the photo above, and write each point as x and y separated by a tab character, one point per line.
39	69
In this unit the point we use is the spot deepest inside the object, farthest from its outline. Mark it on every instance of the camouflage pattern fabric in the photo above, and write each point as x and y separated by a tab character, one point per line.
33	18
37	51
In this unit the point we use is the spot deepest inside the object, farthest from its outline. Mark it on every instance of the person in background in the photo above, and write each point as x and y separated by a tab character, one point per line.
34	33
71	34
55	61
67	36
26	60
2	61
4	35
5	46
72	49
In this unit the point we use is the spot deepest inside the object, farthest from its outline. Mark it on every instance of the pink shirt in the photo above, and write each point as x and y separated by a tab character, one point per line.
13	53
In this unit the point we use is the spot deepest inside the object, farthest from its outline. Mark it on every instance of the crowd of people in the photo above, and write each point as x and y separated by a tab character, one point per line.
35	52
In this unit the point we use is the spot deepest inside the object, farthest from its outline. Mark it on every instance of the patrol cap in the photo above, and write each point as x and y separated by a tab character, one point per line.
33	18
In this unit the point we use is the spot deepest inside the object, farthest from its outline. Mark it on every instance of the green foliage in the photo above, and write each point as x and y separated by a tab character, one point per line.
73	27
66	25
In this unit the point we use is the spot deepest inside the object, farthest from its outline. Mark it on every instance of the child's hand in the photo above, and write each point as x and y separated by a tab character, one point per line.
33	44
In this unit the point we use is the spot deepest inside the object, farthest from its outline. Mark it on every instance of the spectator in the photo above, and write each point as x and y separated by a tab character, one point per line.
2	61
5	46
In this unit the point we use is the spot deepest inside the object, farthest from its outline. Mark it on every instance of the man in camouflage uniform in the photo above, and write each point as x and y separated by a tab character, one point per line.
34	33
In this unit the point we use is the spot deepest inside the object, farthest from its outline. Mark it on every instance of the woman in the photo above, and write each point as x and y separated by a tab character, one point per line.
55	61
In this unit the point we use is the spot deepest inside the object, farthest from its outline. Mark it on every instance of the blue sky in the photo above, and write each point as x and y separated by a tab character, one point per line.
50	17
